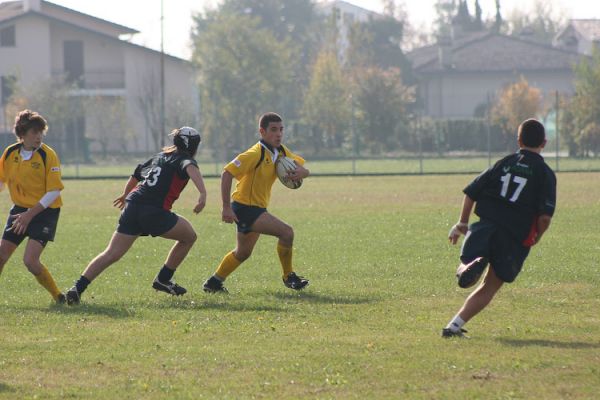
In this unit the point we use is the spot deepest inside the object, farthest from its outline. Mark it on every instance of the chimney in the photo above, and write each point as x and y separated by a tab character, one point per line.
445	51
32	5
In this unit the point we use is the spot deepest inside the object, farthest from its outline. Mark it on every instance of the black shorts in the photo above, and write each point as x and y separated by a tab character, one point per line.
487	239
246	216
143	220
42	227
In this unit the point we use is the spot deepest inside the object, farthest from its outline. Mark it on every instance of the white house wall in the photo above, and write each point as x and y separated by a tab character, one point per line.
458	95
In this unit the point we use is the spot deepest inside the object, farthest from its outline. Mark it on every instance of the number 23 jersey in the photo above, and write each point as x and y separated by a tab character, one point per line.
514	191
161	179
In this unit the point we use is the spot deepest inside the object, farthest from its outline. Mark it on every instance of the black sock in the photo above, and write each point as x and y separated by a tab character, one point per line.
82	284
165	274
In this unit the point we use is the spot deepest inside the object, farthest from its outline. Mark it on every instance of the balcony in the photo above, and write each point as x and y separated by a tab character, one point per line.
94	79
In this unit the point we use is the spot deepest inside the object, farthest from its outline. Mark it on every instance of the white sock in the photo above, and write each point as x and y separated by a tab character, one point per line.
456	323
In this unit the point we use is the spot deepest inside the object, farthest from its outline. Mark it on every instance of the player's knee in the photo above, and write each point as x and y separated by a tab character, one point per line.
111	256
31	262
287	235
192	237
242	255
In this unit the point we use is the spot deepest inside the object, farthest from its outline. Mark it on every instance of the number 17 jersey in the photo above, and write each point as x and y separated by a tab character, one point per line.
162	178
514	192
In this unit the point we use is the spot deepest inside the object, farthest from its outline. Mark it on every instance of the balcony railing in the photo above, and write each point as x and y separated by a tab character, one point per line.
100	79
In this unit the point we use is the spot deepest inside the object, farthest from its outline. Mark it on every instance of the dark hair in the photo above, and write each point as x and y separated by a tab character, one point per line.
26	120
532	133
267	118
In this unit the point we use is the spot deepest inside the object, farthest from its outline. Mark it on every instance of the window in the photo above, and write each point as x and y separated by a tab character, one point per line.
73	61
8	36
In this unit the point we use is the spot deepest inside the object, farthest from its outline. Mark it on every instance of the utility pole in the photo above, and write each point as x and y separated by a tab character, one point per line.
162	76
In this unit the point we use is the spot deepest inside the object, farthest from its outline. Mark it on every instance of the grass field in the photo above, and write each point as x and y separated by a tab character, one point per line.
429	165
368	326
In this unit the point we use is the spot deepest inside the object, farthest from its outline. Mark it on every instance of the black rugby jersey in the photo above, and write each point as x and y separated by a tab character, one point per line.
162	178
514	191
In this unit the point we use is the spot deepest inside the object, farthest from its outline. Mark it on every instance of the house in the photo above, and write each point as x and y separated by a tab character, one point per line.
42	42
457	75
580	35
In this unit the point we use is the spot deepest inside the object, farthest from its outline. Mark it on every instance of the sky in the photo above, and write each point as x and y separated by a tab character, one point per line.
144	15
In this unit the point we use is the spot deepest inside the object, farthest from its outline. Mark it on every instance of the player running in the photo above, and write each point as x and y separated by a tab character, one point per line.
515	201
255	171
146	203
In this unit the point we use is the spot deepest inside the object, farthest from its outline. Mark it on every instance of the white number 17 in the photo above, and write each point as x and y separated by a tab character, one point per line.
518	180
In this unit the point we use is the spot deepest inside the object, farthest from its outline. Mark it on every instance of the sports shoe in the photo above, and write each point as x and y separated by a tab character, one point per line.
73	296
448	333
469	274
213	285
61	299
295	282
169	287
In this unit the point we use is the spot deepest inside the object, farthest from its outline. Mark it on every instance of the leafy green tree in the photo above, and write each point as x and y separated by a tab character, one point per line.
326	104
383	101
243	70
584	104
516	102
377	42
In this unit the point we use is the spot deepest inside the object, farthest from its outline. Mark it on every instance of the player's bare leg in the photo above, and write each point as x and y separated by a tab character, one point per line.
6	250
117	247
184	234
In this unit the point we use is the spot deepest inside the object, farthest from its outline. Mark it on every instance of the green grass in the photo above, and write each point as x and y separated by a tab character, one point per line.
368	327
428	165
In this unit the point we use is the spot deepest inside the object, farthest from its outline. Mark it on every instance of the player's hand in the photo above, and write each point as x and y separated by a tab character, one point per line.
119	202
460	228
299	173
228	216
200	206
20	223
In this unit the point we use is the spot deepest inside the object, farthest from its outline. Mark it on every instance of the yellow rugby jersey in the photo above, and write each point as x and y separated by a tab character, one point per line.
255	183
28	181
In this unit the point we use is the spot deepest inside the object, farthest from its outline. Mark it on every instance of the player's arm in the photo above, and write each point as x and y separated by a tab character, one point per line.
543	223
462	226
132	182
227	215
54	186
194	173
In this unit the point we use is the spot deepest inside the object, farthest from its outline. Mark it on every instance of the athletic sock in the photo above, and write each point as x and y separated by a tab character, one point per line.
165	274
227	266
285	257
455	324
82	284
47	281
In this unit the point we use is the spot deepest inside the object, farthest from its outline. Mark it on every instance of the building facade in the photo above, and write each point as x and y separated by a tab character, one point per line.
119	83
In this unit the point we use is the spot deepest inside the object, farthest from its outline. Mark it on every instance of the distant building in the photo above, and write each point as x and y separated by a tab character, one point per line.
345	15
41	41
468	67
580	35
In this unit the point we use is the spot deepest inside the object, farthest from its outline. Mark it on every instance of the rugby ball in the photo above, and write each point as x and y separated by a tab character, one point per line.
282	167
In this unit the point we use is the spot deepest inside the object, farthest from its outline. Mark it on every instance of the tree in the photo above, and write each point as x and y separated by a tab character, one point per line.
326	106
584	104
383	101
377	42
516	102
542	25
107	121
243	70
65	113
445	12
